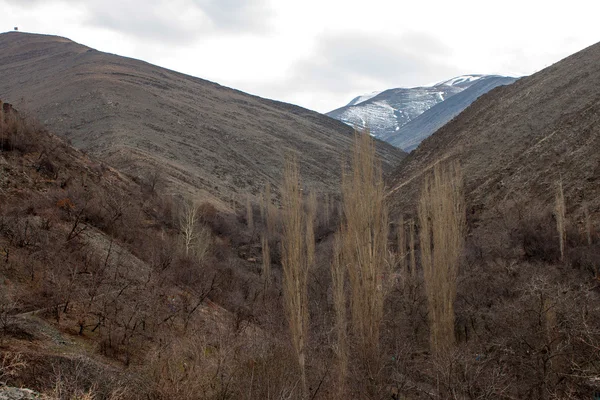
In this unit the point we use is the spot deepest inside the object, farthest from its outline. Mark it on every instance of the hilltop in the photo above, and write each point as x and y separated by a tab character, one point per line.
204	139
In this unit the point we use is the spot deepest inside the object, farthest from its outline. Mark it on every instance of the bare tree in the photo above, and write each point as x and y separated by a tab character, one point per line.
249	214
295	265
442	219
154	179
364	237
266	261
187	224
401	235
338	277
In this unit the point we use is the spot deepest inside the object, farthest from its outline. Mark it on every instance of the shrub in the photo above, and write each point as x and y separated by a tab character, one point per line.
537	235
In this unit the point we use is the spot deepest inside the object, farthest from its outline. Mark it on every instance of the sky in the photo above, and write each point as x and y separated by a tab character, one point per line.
320	54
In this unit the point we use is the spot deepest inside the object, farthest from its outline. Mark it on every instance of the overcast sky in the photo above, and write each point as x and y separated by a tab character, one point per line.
321	53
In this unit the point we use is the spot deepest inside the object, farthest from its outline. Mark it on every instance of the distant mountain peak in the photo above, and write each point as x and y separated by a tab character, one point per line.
462	80
362	98
386	113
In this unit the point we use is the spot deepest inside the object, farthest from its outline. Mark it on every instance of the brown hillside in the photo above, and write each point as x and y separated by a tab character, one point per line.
98	298
139	117
527	290
516	141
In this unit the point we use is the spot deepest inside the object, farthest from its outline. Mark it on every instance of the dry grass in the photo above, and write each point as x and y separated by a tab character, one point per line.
442	220
364	240
560	214
295	263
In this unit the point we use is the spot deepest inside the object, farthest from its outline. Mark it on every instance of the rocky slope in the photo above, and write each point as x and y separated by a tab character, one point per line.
206	139
387	112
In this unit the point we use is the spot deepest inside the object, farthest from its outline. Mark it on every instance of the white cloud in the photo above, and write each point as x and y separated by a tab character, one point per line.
320	53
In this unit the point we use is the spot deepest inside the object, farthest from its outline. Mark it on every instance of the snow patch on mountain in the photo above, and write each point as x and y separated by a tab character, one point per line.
359	99
389	110
461	80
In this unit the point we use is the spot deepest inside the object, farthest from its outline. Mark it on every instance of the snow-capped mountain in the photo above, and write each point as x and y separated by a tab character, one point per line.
387	112
414	132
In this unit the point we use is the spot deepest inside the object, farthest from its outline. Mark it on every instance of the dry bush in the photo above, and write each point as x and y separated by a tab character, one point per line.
153	181
536	234
162	211
204	243
208	214
327	219
189	369
8	307
219	365
545	338
11	365
442	224
113	212
78	377
16	131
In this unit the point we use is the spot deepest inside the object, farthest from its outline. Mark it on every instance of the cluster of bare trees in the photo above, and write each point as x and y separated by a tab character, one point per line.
363	270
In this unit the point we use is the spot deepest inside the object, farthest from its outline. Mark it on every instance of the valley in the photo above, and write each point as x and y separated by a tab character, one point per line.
166	237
